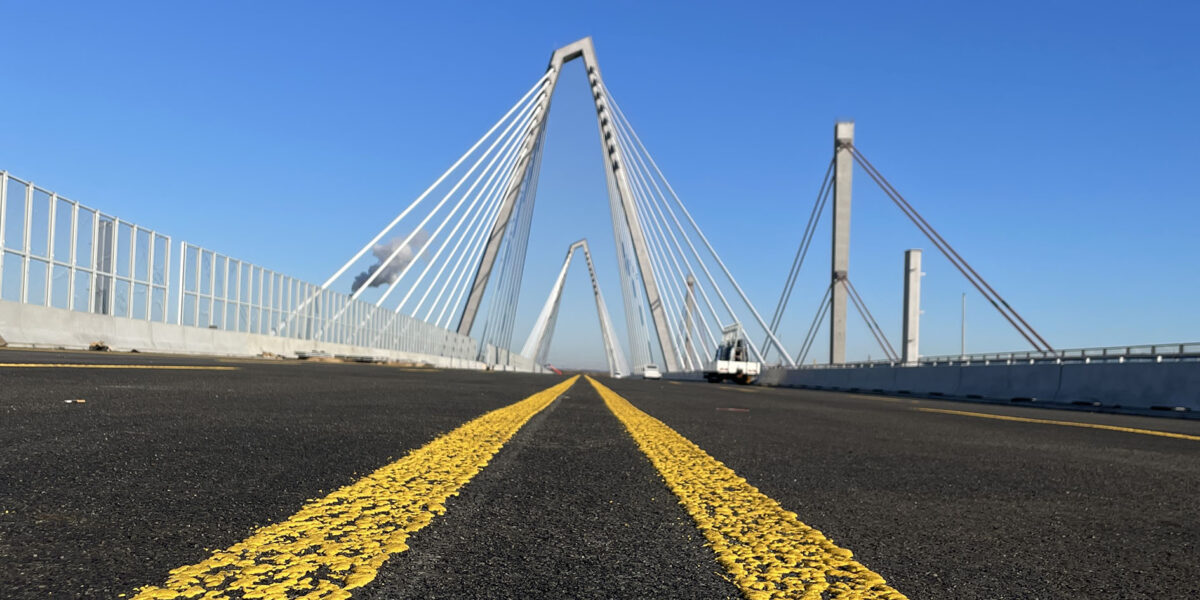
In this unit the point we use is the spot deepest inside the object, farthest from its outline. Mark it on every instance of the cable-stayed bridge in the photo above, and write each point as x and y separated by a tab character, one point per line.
441	281
455	256
163	477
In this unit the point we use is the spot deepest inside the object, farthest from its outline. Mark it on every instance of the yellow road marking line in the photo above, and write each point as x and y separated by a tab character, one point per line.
91	366
1182	436
767	551
883	399
258	361
337	543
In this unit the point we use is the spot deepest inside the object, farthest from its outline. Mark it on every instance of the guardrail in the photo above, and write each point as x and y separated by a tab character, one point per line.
58	253
1152	379
1178	352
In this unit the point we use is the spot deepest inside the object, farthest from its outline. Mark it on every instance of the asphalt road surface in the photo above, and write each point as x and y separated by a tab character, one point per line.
161	468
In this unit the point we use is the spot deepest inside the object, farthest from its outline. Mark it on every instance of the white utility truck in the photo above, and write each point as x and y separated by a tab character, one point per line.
732	359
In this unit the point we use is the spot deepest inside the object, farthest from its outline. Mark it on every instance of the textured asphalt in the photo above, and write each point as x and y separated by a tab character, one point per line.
570	508
953	507
158	468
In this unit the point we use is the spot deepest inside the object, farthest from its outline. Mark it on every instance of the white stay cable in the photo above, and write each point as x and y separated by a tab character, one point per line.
712	281
709	245
639	349
679	284
695	252
771	334
676	299
522	117
494	321
460	285
489	195
455	290
508	150
517	268
659	267
708	329
640	316
529	199
660	222
621	139
510	157
539	86
657	242
476	234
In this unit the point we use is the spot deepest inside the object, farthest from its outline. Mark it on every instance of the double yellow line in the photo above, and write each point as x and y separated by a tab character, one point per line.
338	543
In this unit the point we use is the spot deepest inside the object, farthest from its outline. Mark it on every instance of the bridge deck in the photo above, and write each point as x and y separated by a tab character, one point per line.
160	467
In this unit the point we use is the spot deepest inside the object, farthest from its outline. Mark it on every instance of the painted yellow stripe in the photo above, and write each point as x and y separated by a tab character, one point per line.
883	399
90	366
767	551
338	543
259	361
1182	436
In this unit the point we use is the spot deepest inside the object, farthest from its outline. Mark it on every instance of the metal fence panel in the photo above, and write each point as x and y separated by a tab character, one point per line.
221	292
56	252
62	254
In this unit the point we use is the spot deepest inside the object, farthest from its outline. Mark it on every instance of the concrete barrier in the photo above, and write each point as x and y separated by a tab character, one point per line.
1036	382
988	382
928	381
779	377
871	379
810	378
772	376
1141	386
28	325
1033	382
1168	385
836	379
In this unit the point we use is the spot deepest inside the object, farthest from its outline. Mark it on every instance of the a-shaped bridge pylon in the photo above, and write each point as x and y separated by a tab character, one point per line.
457	252
537	346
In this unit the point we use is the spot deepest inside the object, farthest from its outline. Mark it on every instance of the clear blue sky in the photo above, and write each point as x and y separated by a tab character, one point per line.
1054	143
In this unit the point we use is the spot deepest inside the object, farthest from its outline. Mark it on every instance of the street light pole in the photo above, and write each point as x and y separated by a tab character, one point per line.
963	346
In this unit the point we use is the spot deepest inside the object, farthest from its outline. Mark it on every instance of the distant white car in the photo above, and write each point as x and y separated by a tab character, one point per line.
651	372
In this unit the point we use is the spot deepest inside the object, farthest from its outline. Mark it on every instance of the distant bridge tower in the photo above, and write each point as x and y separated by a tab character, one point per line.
537	346
843	169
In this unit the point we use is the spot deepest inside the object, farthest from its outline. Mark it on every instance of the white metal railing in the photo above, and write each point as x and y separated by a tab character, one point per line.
221	292
58	253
